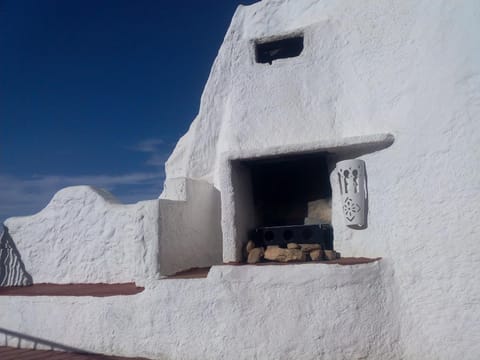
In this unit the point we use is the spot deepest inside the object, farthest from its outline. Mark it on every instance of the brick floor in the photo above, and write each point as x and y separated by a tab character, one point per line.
98	290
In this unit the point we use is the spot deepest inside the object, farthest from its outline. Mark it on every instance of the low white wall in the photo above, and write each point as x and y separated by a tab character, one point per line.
190	231
305	311
85	236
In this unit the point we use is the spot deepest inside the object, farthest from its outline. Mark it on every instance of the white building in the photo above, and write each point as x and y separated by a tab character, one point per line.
394	83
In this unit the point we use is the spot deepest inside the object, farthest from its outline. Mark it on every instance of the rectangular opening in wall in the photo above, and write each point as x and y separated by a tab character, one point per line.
289	190
283	199
267	52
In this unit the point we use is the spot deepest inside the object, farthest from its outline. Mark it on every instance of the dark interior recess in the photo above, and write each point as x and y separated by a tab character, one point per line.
300	234
266	52
282	187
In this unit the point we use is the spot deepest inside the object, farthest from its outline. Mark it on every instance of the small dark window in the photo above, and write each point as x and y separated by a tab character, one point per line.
266	52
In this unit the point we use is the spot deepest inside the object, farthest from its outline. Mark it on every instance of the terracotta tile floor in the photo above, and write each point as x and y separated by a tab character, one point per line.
9	353
98	290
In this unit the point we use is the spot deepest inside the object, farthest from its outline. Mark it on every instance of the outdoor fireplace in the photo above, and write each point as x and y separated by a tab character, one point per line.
291	185
286	202
283	186
290	243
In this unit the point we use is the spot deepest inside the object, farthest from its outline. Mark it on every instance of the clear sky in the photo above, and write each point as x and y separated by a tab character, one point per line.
97	92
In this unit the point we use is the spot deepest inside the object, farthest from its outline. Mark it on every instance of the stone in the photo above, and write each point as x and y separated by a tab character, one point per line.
293	246
310	247
255	255
330	255
320	209
284	255
250	246
272	247
316	255
312	221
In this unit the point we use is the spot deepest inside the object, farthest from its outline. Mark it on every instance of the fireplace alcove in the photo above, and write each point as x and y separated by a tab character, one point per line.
282	187
283	190
276	191
272	186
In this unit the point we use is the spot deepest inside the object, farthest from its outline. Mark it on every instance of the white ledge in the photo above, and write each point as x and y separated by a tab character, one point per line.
359	144
330	275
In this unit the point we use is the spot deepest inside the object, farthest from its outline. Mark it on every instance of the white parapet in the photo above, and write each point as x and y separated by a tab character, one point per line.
84	235
306	311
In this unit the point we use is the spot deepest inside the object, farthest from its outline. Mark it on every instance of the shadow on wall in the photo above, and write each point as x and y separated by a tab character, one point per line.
190	231
12	269
22	341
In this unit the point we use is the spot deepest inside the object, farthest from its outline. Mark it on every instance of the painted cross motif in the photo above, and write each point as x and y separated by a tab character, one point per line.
352	181
350	209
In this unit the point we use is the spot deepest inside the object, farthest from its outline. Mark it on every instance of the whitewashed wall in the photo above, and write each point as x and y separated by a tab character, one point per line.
303	312
85	236
407	68
189	233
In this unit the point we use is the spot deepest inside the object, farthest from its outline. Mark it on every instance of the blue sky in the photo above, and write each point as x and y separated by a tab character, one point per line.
98	92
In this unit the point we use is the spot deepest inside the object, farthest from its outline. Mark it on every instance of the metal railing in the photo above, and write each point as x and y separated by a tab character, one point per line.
19	337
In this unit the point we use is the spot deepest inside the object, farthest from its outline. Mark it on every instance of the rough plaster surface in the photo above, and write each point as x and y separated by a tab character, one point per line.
368	71
406	68
85	236
309	311
190	233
